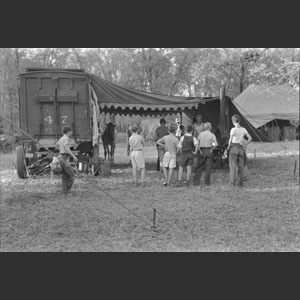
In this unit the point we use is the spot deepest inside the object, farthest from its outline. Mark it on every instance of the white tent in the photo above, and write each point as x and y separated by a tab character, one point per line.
261	104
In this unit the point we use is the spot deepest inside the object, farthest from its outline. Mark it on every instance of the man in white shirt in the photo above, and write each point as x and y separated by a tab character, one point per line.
236	148
207	143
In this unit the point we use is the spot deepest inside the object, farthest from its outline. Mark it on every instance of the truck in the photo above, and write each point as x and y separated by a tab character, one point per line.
49	100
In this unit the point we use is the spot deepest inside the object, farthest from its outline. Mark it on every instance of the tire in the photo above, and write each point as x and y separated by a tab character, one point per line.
20	160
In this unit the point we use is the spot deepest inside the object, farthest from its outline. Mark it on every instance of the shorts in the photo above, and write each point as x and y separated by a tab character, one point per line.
137	159
169	160
187	159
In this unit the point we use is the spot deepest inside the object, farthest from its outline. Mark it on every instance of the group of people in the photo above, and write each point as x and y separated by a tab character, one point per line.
179	148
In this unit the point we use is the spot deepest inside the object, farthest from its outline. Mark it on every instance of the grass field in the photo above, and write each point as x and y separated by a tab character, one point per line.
262	216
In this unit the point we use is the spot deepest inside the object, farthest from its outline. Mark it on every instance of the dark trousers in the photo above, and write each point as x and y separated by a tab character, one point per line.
68	175
204	159
236	159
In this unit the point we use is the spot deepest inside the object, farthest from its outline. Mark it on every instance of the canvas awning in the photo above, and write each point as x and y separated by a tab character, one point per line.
262	104
115	99
127	101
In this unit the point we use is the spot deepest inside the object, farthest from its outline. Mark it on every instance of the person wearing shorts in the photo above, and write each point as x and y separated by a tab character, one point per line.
170	143
137	143
186	147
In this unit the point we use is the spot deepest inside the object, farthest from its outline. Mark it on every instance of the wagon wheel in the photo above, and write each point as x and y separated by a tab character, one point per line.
21	164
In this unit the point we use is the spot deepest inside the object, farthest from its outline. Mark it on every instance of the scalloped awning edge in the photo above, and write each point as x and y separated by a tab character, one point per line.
148	107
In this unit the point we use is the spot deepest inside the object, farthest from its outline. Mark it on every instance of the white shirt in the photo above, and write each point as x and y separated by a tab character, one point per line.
238	134
207	139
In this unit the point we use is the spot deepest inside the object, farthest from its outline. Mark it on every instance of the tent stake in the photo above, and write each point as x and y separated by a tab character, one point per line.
154	218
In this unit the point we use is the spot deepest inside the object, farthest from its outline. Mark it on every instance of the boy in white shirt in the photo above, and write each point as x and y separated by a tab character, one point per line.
136	146
236	150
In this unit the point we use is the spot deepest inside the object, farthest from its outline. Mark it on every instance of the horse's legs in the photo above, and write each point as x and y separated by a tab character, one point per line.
105	152
113	153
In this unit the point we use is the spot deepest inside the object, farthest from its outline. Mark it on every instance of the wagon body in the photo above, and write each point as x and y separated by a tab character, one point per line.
52	99
49	100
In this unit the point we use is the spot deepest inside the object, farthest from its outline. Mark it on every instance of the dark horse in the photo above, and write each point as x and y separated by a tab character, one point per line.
109	138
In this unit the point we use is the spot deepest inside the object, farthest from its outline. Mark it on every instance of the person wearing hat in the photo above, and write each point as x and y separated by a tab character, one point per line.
179	132
160	132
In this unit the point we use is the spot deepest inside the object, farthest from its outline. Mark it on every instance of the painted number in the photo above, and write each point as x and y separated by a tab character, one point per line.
49	120
64	118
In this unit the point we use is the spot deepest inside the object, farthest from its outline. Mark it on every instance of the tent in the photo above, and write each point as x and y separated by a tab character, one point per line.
120	100
261	104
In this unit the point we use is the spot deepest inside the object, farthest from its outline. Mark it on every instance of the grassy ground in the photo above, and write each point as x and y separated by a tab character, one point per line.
263	216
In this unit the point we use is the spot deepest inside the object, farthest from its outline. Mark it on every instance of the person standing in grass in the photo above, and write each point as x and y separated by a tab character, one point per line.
236	150
160	132
207	143
186	147
137	144
198	127
170	143
63	145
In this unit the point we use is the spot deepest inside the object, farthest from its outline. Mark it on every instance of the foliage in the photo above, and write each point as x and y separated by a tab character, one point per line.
171	71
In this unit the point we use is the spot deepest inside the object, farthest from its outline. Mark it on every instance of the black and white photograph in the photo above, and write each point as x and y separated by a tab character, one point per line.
149	150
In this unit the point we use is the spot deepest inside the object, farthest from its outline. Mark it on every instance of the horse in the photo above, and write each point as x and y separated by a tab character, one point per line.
109	138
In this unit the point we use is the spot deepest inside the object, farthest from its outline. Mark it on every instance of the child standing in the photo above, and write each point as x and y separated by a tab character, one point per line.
136	144
170	143
236	151
64	144
207	143
186	147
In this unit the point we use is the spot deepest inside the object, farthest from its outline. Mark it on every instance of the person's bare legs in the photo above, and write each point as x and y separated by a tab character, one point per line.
142	175
165	174
170	175
175	172
188	173
180	173
134	174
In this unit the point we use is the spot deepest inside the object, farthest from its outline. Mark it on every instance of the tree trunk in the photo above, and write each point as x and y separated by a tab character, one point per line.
223	126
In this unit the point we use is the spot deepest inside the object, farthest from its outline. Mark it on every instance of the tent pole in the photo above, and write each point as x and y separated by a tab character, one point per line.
223	127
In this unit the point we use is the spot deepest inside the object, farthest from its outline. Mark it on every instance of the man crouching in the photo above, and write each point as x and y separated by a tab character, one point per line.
68	175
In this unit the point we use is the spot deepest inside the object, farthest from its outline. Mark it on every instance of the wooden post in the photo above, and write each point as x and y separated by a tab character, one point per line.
223	126
295	169
254	153
180	117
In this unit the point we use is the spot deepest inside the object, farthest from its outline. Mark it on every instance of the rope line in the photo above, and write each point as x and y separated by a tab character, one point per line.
124	206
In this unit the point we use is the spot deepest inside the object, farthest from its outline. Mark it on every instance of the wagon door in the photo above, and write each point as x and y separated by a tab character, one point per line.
72	106
46	109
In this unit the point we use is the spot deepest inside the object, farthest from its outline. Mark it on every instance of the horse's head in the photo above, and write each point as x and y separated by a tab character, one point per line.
110	129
